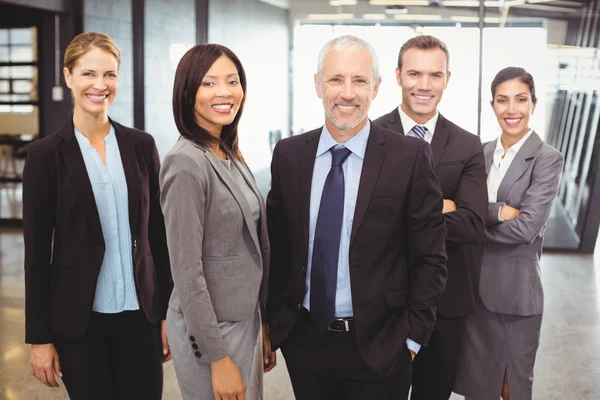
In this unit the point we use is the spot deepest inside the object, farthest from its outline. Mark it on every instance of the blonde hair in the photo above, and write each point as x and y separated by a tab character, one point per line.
85	42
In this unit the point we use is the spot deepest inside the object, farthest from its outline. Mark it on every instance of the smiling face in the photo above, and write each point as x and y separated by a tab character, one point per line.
94	81
219	96
423	78
347	87
513	106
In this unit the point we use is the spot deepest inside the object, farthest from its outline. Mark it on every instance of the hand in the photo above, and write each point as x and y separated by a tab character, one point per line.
449	206
507	213
167	356
44	364
412	355
227	382
270	357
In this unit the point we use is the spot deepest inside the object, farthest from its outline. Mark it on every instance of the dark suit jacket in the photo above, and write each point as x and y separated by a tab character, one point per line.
64	245
460	167
397	246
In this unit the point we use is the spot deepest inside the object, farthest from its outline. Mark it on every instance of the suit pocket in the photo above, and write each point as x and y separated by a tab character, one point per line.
395	298
383	198
220	267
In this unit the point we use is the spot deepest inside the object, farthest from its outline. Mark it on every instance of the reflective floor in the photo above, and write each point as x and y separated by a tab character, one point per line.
568	363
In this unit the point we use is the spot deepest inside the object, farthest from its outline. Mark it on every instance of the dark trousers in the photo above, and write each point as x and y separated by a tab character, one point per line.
434	368
119	358
329	366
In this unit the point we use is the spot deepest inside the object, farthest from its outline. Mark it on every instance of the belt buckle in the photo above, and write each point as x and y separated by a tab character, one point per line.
346	326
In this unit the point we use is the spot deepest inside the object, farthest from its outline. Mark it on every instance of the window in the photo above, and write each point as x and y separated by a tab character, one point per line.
18	71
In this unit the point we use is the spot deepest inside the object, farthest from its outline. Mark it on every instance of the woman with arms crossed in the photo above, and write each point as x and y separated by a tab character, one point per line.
97	275
501	339
217	235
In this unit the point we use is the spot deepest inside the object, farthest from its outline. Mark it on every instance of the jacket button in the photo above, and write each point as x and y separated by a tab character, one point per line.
195	346
134	243
302	269
299	306
198	354
192	338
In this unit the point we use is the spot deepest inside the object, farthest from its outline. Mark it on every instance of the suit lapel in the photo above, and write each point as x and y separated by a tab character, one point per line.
374	155
127	148
488	153
519	165
235	191
306	166
251	182
75	165
439	140
393	121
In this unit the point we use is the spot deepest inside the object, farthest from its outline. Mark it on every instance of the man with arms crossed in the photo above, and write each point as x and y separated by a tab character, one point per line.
423	73
358	259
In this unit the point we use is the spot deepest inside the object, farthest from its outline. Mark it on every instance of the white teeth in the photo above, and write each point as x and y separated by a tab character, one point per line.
346	107
222	106
512	121
97	98
423	97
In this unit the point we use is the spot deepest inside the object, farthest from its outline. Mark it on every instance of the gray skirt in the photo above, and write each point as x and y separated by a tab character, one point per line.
244	343
491	344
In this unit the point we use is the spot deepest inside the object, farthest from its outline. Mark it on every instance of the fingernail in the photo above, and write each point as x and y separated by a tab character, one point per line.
165	352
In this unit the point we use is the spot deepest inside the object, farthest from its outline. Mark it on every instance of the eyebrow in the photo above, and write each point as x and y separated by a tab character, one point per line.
91	70
420	72
520	94
215	77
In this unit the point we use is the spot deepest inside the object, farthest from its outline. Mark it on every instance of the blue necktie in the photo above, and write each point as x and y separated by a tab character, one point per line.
326	245
419	131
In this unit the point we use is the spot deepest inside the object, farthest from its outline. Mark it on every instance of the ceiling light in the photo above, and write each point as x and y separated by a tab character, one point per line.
330	16
418	17
337	3
399	2
470	3
374	16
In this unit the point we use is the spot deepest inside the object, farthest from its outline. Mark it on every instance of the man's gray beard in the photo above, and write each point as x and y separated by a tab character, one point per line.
342	127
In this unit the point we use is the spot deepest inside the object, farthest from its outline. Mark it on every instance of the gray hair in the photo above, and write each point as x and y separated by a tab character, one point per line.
348	42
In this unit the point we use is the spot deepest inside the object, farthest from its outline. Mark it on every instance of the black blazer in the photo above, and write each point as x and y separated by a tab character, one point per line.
460	167
64	245
397	245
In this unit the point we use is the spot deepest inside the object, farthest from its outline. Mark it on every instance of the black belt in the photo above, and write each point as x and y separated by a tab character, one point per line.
342	325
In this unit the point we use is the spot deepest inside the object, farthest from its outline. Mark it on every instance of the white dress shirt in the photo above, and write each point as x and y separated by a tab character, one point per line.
501	164
408	124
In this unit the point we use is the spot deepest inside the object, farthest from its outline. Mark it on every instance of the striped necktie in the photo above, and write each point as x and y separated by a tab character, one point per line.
419	131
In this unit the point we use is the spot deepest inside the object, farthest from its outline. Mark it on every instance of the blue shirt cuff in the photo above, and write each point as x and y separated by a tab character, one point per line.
412	345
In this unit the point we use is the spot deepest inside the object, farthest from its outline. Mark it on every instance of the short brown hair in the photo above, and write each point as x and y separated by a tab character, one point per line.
423	42
86	41
189	74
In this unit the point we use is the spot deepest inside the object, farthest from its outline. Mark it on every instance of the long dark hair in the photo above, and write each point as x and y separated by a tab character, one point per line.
188	77
510	73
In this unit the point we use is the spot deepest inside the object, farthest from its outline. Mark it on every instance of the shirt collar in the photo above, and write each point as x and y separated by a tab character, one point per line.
515	147
83	140
357	144
408	123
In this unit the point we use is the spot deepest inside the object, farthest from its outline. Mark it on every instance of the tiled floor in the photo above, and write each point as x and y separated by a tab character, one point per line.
568	364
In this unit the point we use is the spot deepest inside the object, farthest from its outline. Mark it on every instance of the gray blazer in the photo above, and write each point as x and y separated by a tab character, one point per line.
511	280
219	261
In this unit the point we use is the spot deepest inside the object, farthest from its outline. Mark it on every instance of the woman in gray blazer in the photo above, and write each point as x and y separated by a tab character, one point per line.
501	339
217	236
